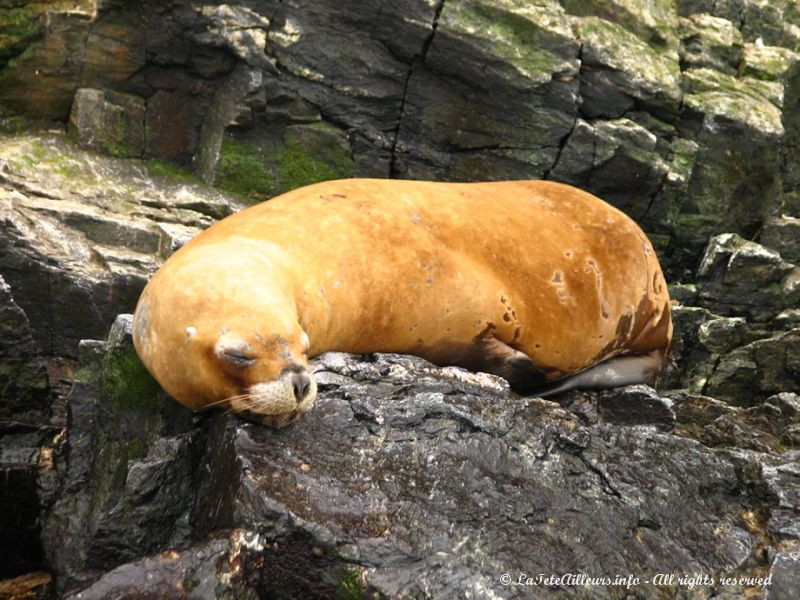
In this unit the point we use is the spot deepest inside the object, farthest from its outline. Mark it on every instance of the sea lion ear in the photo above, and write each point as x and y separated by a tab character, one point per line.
305	342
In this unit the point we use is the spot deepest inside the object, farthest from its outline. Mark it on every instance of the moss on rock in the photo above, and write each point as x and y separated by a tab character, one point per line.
243	171
18	28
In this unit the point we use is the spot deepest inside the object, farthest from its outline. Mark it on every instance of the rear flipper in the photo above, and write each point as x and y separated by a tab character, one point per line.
615	372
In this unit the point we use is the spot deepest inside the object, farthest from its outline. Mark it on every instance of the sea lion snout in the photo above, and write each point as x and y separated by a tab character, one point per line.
301	384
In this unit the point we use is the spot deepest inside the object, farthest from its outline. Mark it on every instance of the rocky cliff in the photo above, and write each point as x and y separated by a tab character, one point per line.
128	127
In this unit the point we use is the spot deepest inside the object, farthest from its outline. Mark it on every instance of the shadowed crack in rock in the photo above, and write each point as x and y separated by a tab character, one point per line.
415	63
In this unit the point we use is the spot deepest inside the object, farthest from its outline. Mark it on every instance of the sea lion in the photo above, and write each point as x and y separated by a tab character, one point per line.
536	281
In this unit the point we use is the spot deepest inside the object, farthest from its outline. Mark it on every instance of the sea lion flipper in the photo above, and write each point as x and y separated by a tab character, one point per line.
615	372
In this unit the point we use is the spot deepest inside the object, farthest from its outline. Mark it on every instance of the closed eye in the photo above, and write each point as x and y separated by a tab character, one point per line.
238	359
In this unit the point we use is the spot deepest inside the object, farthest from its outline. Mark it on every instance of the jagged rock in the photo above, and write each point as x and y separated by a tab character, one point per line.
129	465
785	572
24	384
486	63
400	462
787	319
32	586
240	29
767	63
768	427
81	234
691	363
731	173
610	159
783	236
722	335
757	370
108	122
737	276
712	42
619	70
773	23
58	58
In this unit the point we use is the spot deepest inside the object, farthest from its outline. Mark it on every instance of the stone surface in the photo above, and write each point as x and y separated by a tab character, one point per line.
739	276
108	123
132	443
712	42
684	114
754	371
24	385
81	234
395	443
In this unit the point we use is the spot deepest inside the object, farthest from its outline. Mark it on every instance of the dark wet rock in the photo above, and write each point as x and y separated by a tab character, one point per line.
126	468
24	384
771	426
636	405
785	574
408	478
627	406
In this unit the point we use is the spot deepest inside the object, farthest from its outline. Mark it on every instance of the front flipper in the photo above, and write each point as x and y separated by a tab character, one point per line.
494	356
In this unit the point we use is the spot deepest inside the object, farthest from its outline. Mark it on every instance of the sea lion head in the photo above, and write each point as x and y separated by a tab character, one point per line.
218	333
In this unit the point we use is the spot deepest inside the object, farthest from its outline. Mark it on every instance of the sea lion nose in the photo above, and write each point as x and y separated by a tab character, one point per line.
301	384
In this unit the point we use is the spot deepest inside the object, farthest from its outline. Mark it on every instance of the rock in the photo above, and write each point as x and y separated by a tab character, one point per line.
683	293
172	127
625	406
768	427
58	57
757	370
610	159
24	384
767	63
739	276
224	109
89	252
783	236
18	28
127	471
711	42
241	30
722	335
773	23
726	179
787	319
690	362
32	586
785	576
438	457
108	122
651	75
496	60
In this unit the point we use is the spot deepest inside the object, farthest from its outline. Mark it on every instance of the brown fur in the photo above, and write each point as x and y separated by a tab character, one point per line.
462	274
